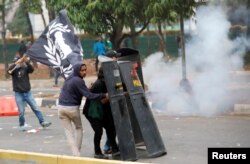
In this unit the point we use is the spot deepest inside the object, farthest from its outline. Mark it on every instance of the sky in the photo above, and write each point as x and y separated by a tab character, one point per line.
211	61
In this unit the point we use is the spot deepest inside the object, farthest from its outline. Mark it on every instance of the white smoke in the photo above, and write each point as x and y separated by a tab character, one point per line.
211	58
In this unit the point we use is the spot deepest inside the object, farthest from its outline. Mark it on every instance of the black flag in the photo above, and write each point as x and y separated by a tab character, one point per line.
58	46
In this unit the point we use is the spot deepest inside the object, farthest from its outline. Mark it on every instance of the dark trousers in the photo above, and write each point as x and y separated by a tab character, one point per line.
56	76
96	63
97	126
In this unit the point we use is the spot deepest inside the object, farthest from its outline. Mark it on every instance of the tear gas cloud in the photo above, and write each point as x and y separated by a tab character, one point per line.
211	59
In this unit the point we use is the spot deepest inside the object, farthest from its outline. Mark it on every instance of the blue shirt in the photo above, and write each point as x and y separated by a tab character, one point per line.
99	49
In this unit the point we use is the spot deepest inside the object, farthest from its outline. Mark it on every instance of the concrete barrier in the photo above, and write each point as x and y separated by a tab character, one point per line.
242	108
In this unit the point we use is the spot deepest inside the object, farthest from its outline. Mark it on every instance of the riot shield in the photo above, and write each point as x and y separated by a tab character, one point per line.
151	135
132	55
119	110
128	54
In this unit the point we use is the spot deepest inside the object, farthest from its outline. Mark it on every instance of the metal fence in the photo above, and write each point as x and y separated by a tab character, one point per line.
146	46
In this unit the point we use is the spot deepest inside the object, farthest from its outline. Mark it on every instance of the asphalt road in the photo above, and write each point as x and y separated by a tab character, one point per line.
186	138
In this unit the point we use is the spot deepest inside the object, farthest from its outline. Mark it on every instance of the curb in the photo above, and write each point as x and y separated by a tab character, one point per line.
45	102
31	157
51	103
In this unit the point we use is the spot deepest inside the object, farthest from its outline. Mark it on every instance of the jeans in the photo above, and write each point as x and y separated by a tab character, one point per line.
96	63
107	145
21	98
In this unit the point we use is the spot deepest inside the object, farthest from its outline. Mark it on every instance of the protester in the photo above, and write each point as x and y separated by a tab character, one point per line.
108	44
73	90
20	71
56	77
99	115
23	48
98	50
112	54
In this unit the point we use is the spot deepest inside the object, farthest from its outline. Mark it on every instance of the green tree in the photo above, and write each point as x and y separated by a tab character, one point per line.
19	25
51	11
106	17
2	8
35	7
184	9
160	11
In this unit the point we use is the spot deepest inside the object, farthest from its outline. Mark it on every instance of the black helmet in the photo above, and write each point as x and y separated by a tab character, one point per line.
112	53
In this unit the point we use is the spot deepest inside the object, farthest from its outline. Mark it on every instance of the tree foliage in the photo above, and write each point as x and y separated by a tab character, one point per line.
110	17
34	6
19	25
106	17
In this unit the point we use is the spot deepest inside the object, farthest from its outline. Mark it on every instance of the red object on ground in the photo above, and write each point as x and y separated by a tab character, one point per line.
8	106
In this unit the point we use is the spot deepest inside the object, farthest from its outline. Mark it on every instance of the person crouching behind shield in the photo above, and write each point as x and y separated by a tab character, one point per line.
99	116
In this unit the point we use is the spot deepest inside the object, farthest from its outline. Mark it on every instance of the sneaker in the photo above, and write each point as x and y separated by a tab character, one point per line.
100	156
115	153
46	124
22	128
108	151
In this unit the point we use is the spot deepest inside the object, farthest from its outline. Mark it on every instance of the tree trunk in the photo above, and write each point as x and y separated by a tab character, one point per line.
31	36
52	14
30	27
162	40
43	18
184	76
4	40
148	41
133	37
248	19
116	37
